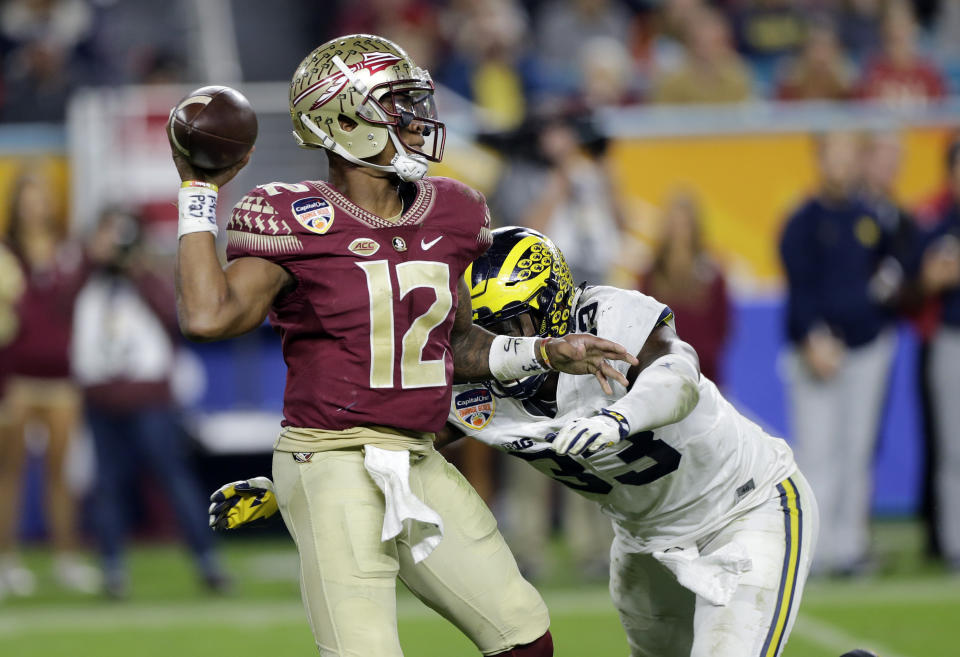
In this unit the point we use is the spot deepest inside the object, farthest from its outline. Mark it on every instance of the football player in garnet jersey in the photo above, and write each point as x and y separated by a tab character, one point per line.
714	523
362	277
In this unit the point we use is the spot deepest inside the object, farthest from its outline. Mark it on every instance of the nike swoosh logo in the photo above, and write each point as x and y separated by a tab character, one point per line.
426	246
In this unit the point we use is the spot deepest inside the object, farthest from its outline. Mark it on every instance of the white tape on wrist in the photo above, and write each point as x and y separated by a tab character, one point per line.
197	202
514	358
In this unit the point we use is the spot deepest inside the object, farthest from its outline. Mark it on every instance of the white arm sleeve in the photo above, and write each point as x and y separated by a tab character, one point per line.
663	393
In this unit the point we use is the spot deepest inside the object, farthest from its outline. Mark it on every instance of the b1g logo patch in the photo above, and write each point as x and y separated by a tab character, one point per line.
314	213
364	246
474	407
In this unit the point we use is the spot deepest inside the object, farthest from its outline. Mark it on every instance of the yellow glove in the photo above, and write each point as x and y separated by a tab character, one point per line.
241	503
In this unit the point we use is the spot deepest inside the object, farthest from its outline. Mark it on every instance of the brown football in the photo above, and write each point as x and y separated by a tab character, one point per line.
214	127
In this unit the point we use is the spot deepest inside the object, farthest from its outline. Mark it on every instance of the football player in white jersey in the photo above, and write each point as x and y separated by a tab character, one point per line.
714	523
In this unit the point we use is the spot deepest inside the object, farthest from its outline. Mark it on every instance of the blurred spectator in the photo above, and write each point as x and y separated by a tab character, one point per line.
712	72
932	276
665	49
685	277
124	342
489	65
941	277
525	171
563	27
410	22
909	287
947	29
861	29
946	35
579	207
899	75
37	84
46	48
767	31
40	392
160	67
68	23
606	75
139	42
841	348
821	71
11	287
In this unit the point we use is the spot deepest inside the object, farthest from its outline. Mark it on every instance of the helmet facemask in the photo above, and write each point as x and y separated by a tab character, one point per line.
404	105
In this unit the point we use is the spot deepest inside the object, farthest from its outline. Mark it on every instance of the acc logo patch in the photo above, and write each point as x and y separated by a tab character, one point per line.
364	246
474	407
314	213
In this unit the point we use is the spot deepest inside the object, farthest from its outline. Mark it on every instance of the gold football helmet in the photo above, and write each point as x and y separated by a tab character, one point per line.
373	83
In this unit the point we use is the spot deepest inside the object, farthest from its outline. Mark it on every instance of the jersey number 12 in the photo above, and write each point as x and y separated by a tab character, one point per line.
414	372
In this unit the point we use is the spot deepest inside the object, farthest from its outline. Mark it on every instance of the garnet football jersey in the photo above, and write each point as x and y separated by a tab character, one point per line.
366	331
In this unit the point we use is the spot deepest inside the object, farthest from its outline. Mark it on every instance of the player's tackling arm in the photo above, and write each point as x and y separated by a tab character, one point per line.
479	355
664	389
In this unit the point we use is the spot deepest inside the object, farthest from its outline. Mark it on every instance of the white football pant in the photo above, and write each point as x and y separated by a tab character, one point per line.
664	619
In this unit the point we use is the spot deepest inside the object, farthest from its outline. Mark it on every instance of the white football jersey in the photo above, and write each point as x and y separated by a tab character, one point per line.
664	487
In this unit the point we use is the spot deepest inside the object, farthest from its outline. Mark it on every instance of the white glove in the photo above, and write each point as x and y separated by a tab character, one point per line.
588	434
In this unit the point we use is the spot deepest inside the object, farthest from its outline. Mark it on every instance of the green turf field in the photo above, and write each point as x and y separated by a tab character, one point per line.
911	609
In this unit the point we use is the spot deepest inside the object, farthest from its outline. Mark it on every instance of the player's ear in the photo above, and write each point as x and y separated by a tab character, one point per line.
346	123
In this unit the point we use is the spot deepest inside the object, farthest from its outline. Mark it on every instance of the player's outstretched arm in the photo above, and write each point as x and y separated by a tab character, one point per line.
479	355
664	388
212	302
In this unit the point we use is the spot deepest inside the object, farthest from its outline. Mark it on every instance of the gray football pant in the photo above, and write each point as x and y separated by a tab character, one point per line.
944	380
835	425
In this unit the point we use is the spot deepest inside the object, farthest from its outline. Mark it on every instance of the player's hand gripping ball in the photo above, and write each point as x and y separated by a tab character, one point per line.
213	127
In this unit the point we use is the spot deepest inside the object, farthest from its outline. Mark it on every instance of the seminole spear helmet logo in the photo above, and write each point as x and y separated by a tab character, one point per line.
372	63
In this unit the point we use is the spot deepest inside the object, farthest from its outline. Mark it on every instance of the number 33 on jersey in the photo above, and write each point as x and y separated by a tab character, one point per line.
384	294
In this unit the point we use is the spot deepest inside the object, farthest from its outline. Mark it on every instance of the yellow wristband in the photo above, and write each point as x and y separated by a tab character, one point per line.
543	352
199	183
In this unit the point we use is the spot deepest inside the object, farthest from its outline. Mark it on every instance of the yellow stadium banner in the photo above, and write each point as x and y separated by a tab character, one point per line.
747	185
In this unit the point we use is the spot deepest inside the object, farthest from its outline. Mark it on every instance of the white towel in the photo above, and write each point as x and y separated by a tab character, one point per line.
404	512
714	577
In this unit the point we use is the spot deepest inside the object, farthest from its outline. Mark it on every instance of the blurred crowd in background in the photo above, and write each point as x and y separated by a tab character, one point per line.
88	337
511	57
